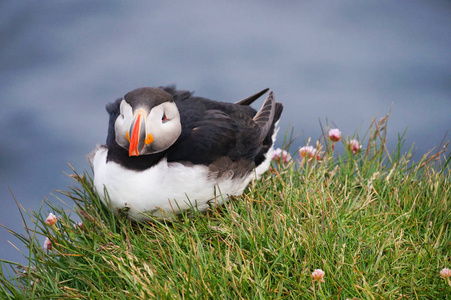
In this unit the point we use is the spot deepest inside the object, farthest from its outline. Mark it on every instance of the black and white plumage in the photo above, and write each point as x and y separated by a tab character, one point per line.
168	151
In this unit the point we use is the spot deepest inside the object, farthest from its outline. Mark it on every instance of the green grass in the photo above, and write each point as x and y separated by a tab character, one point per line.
376	223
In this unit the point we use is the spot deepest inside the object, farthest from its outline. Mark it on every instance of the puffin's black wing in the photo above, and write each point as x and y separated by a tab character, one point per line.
212	130
215	135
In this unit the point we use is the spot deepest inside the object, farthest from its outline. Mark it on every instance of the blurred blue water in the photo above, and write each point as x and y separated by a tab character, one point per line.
346	61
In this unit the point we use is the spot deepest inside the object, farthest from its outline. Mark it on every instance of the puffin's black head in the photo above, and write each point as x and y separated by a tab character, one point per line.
148	122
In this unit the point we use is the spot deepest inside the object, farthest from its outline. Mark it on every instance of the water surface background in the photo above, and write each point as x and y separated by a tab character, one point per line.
344	61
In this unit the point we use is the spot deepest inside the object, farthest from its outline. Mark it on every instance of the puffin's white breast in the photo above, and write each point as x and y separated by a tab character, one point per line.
163	189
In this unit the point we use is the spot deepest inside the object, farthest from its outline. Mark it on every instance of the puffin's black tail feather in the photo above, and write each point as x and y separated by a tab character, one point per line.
265	116
249	100
268	139
267	142
278	112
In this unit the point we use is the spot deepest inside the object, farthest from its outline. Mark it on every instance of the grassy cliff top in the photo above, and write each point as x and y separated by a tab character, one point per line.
375	223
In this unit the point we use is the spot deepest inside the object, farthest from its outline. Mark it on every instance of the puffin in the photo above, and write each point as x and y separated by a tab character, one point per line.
168	151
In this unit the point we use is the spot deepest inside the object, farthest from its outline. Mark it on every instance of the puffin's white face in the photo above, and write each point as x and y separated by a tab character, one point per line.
142	132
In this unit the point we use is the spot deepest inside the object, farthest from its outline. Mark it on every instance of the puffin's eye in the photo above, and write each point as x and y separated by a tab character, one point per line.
164	118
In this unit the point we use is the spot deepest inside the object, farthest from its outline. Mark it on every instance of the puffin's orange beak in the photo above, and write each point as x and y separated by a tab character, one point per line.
138	138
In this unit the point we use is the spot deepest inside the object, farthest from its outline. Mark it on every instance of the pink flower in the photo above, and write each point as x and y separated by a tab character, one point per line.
281	155
33	282
79	225
51	220
335	135
354	146
47	244
308	152
445	273
318	275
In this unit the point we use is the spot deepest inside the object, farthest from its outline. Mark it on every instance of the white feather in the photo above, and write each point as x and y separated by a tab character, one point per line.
163	190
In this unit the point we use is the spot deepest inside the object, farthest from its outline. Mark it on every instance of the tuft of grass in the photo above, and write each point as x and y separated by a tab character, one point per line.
375	222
